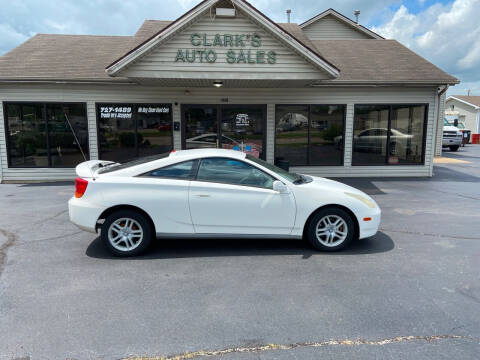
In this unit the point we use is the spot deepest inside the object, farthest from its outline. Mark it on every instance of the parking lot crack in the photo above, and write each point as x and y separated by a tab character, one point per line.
430	234
11	238
327	343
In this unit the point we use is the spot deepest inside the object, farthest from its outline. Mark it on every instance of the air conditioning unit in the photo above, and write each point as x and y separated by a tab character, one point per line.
225	12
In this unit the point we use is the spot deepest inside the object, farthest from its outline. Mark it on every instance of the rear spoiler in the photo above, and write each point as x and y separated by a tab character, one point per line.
88	169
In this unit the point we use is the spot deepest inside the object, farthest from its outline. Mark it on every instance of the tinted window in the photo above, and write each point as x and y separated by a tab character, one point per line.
177	171
229	171
309	134
140	161
389	134
369	146
129	131
291	134
39	134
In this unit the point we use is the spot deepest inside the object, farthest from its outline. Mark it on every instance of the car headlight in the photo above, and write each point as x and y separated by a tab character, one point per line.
363	199
459	133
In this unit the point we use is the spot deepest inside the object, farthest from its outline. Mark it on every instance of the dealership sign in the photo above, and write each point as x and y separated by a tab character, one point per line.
205	49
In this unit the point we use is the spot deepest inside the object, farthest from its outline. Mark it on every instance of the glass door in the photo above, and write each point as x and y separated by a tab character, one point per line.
236	127
200	126
242	128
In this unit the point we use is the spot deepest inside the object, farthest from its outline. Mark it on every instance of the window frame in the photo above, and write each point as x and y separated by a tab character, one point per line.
44	105
309	150
389	129
134	105
227	183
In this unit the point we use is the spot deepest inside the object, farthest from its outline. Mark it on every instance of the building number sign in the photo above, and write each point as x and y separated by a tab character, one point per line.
242	49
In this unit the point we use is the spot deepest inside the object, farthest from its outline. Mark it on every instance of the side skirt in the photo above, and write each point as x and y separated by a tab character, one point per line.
225	236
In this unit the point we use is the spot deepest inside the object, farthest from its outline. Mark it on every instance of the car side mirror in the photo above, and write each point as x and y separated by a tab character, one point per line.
280	187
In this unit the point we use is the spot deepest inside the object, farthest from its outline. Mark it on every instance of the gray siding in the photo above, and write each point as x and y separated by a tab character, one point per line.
328	28
160	61
147	94
347	155
270	133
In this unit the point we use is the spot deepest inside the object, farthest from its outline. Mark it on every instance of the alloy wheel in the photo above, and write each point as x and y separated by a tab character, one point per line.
125	234
331	230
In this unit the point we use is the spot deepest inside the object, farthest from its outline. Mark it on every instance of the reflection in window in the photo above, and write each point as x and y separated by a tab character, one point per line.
370	134
31	143
309	134
229	171
326	134
407	134
379	141
128	131
291	134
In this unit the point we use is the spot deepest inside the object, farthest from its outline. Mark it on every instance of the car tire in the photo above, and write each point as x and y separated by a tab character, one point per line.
454	148
331	237
126	233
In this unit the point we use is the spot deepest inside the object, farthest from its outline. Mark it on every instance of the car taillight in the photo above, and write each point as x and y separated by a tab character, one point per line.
80	187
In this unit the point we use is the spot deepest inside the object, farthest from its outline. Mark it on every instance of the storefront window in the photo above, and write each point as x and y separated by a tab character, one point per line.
39	134
128	131
385	134
309	135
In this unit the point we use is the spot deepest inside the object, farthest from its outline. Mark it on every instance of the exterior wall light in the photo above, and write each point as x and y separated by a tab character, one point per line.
218	84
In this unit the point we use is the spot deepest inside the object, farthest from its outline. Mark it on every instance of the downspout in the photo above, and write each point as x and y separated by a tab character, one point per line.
435	128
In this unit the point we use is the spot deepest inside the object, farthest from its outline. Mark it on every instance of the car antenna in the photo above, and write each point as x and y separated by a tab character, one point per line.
78	142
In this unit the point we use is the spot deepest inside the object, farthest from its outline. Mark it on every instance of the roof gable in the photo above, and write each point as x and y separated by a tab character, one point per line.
273	34
473	101
330	24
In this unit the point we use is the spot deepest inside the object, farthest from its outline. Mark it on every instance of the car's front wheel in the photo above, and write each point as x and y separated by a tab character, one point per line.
331	229
454	148
126	233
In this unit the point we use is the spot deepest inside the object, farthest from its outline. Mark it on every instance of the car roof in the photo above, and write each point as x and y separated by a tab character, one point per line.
199	153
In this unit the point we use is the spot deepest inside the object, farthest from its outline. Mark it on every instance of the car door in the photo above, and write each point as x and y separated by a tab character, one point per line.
230	196
163	194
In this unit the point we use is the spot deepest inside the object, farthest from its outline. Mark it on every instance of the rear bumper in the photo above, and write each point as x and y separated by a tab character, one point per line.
370	228
83	214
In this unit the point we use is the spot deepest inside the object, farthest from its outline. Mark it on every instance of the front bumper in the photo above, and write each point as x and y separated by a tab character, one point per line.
83	214
450	141
370	228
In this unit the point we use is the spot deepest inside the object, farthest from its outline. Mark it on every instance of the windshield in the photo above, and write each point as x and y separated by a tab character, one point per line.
295	178
139	161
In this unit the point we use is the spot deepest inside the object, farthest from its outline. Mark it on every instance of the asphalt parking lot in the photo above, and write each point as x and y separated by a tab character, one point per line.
410	292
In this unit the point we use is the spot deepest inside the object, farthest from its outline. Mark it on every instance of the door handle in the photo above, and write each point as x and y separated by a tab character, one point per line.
203	195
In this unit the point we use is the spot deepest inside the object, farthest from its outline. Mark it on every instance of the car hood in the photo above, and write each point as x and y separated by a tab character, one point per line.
450	128
327	184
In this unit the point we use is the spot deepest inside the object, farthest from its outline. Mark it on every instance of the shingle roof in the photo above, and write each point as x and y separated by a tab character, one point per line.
63	57
379	60
84	57
474	100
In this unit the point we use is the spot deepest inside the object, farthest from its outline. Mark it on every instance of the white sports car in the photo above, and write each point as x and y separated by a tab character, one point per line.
215	193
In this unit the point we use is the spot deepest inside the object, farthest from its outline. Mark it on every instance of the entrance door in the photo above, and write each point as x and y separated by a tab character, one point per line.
200	126
237	127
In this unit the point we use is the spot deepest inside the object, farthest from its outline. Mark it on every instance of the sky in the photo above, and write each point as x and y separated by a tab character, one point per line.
445	32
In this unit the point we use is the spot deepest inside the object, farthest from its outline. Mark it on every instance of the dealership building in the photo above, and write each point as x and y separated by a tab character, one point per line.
327	97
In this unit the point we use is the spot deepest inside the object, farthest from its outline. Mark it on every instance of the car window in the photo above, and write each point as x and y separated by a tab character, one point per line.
210	139
230	171
181	171
139	161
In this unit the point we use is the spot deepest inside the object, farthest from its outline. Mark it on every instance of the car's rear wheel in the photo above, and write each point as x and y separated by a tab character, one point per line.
331	229
126	233
454	148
